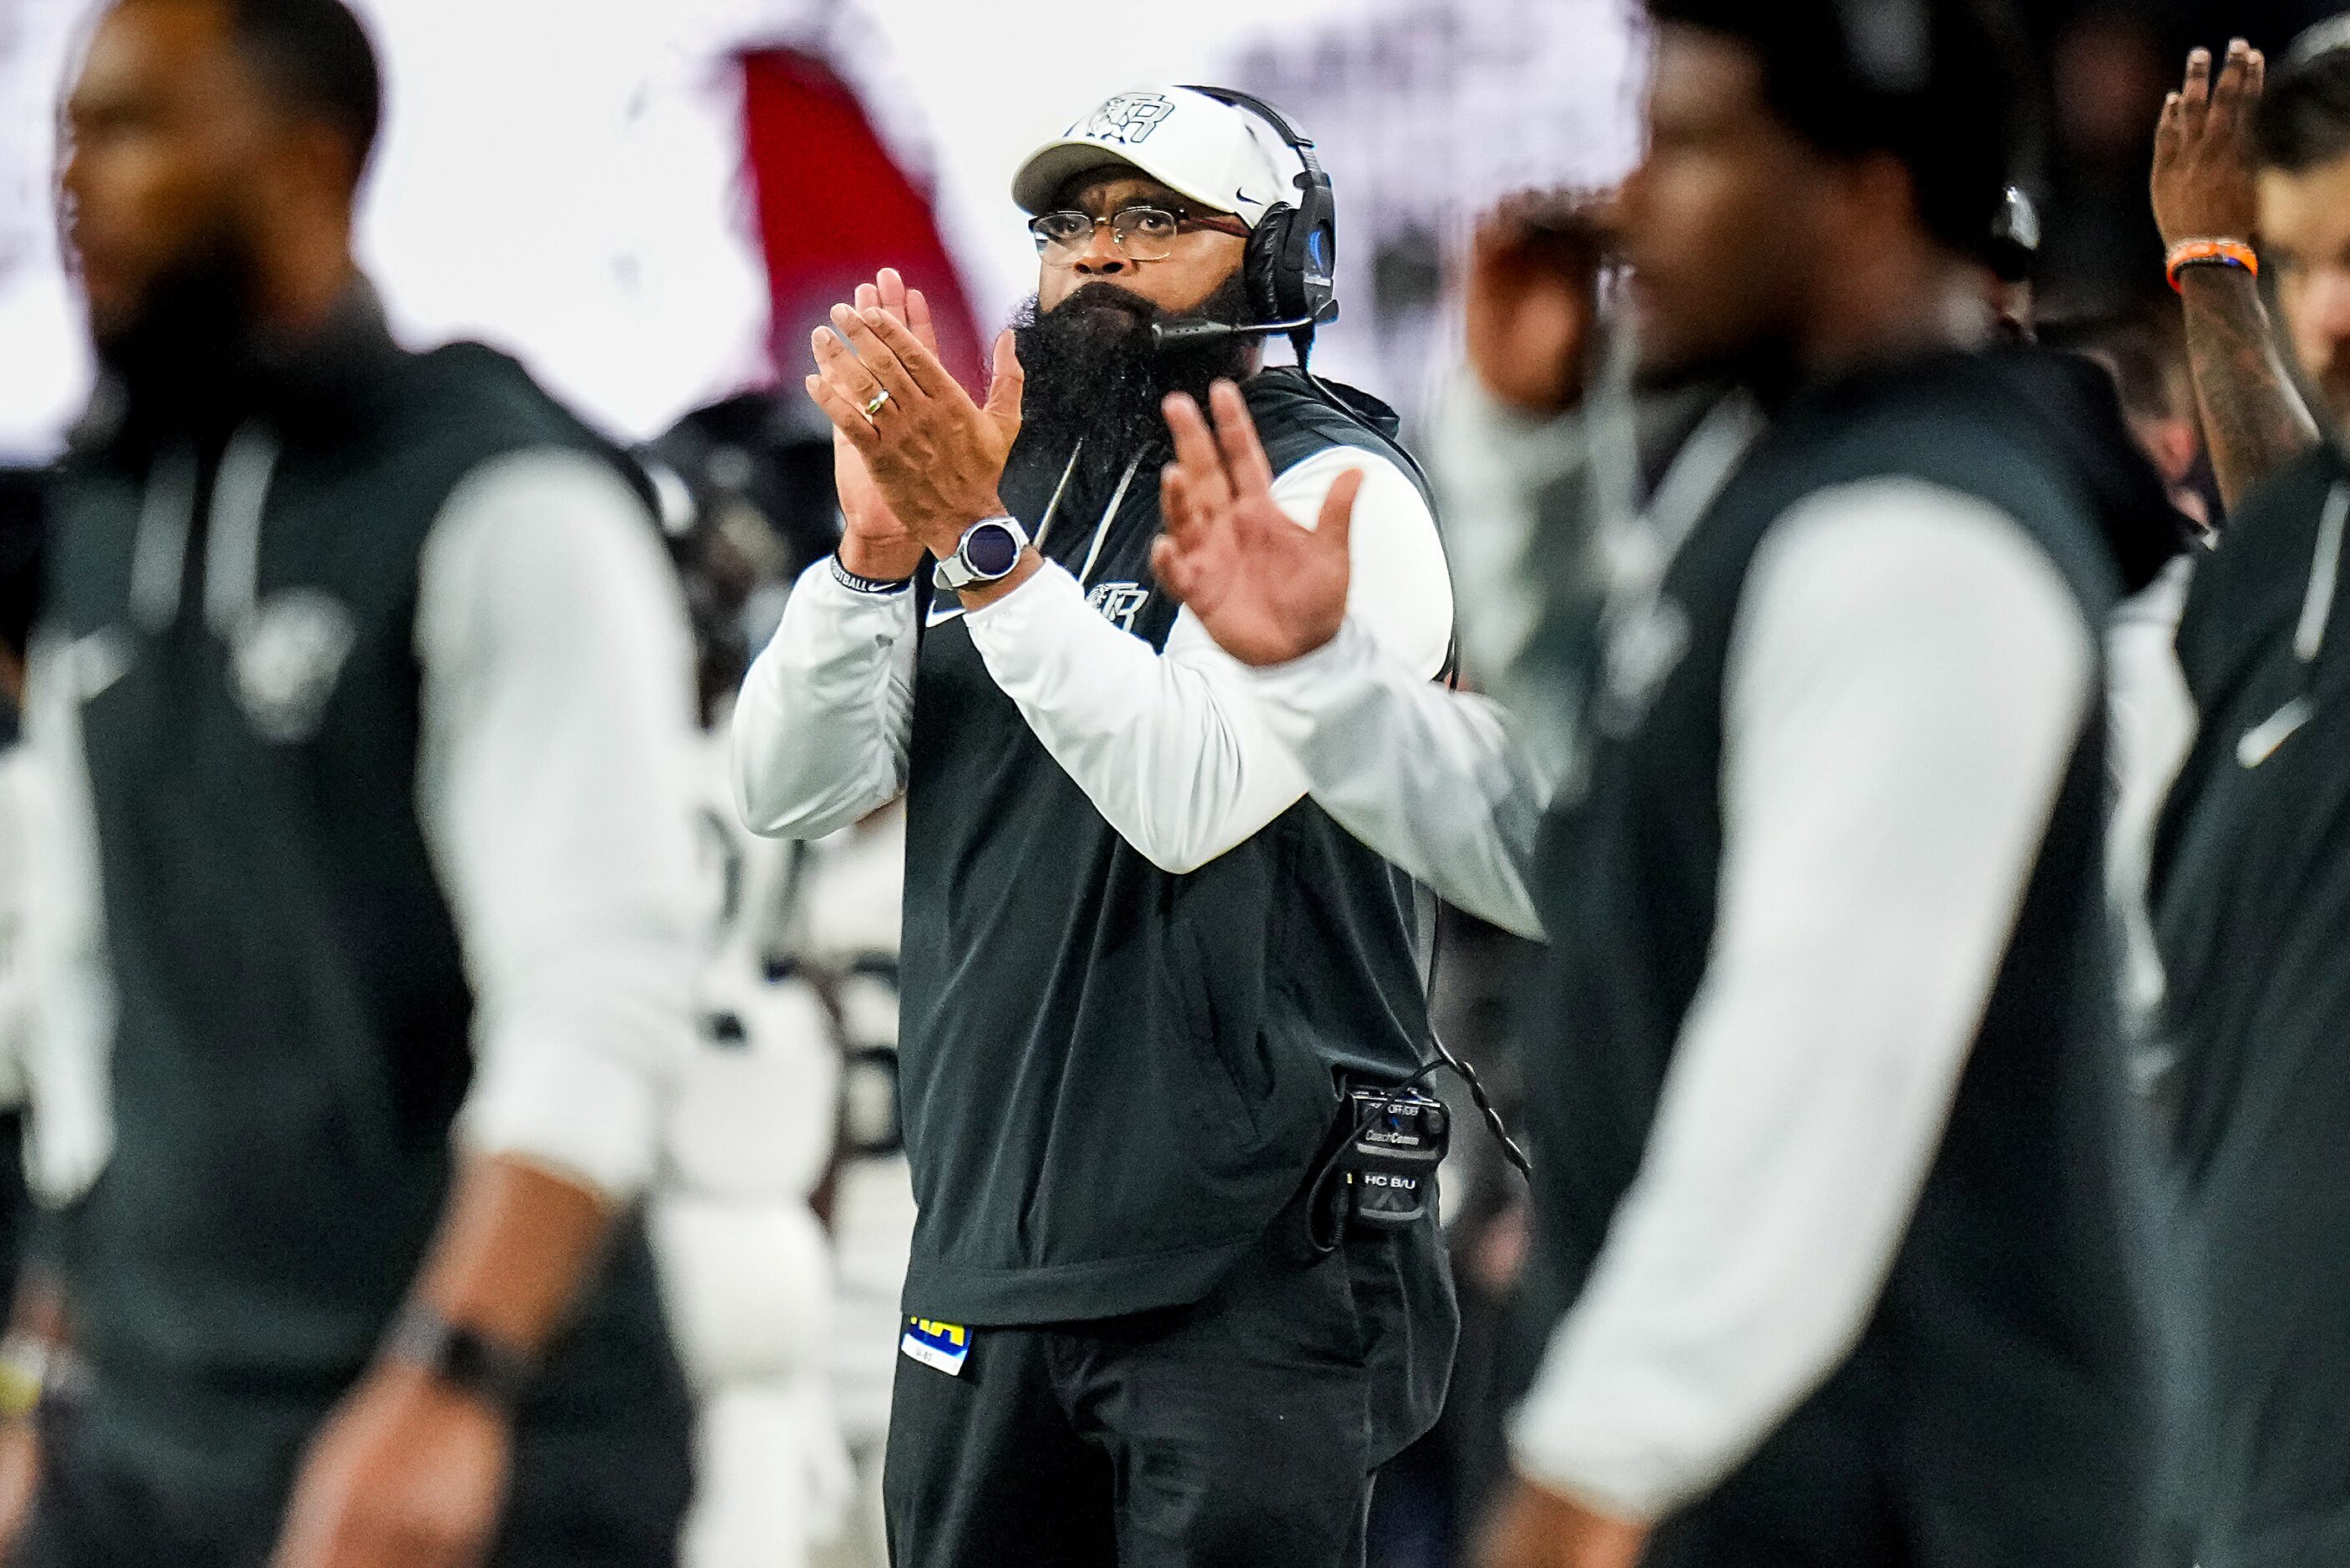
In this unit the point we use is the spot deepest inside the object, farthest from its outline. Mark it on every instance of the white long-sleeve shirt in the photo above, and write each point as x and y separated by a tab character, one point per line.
1905	689
1171	747
1453	790
556	791
1438	782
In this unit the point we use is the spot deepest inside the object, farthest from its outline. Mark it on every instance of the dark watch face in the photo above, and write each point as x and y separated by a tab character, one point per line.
991	550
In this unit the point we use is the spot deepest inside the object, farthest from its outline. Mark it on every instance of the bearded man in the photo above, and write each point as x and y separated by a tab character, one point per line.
1142	972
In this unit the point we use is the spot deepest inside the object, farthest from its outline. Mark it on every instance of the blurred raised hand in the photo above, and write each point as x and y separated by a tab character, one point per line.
2205	188
1533	297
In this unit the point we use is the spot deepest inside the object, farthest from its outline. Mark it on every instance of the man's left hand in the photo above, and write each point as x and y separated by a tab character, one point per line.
1267	590
1538	1528
408	1473
936	456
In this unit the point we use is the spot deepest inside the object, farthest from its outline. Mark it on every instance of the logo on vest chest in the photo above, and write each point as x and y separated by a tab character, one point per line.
1644	648
1119	603
287	653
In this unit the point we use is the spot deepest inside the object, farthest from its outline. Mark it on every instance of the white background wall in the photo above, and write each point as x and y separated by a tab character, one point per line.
560	176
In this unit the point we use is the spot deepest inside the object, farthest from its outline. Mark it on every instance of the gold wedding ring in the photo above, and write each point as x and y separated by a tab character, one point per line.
873	404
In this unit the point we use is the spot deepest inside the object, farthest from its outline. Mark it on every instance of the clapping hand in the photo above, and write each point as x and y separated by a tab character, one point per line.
928	460
1267	589
873	541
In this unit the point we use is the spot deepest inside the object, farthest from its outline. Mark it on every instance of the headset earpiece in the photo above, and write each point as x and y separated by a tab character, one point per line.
1292	260
1264	267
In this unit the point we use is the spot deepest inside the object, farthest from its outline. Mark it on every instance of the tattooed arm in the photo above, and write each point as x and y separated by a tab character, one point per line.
2254	422
2254	419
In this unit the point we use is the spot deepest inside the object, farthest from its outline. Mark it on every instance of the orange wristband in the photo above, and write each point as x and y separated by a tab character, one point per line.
2211	252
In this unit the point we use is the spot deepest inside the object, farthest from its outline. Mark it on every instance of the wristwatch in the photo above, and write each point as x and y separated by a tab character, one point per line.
464	1359
990	549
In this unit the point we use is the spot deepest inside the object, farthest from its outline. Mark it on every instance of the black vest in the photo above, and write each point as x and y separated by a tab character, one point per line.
1114	1076
1993	1413
2252	910
292	1039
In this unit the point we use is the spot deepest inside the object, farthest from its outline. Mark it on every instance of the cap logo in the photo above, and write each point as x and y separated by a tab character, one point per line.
1127	119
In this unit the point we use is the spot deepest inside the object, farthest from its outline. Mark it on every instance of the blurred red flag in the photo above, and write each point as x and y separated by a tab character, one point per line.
834	207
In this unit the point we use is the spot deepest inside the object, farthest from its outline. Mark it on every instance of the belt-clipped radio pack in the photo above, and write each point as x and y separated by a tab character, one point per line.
1390	1165
1383	1173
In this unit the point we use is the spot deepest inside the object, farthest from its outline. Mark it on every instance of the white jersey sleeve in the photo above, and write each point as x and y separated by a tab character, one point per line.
1174	748
556	787
1906	690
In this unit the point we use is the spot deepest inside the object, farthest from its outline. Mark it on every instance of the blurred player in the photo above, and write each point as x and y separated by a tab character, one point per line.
1832	1158
2253	863
365	692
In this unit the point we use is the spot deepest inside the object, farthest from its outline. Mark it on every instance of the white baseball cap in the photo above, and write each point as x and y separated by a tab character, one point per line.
1221	156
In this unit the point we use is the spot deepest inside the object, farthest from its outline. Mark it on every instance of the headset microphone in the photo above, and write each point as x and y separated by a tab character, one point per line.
1183	333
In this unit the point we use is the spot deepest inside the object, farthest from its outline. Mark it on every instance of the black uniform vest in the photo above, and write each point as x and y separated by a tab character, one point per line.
1114	1076
2252	910
1993	1411
291	1043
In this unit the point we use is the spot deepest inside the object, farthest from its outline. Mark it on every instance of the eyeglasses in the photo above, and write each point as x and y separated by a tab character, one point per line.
1140	234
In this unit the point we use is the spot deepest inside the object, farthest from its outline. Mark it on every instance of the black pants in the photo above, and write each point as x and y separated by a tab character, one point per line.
1242	1431
578	1498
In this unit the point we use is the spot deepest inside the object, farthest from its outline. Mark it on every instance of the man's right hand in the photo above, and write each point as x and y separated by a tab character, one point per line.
2204	186
873	543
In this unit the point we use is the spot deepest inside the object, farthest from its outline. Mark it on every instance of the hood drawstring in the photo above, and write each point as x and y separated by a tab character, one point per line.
1053	507
1109	514
2324	577
167	512
159	559
233	534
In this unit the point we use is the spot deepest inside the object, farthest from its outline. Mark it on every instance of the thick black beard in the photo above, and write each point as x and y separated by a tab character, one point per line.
1095	375
190	353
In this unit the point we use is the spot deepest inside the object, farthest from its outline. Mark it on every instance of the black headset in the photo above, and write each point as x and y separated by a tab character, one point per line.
1290	264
